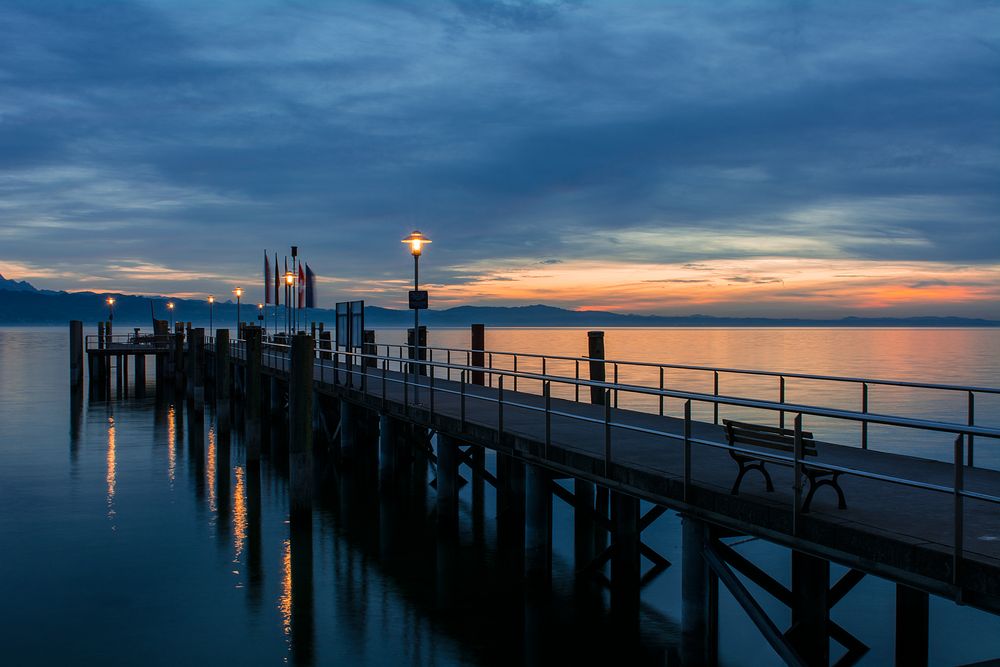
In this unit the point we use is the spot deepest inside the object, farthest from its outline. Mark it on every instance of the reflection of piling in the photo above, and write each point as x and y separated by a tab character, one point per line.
255	570
140	375
510	513
388	432
625	561
300	565
179	356
75	353
300	434
223	379
252	391
348	430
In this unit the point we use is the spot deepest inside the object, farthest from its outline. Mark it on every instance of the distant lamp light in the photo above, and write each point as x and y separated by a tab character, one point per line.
289	278
111	301
170	305
238	292
211	299
416	241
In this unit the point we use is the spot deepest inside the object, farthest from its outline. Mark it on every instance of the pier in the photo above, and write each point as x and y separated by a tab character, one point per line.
929	526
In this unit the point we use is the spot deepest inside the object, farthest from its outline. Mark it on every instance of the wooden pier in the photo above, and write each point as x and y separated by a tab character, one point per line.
930	526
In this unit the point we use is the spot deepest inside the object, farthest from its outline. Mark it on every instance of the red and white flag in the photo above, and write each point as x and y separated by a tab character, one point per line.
302	286
267	279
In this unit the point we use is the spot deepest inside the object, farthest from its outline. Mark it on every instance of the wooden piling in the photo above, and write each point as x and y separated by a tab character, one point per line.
595	350
696	605
300	433
912	627
447	485
140	375
478	358
75	353
538	524
252	391
197	353
348	430
625	561
810	611
510	512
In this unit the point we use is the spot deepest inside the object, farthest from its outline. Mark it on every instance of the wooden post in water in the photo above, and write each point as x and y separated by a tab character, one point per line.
140	375
912	627
625	561
197	353
595	350
810	611
223	378
447	485
252	391
510	513
179	355
348	428
538	524
696	591
478	358
75	353
300	432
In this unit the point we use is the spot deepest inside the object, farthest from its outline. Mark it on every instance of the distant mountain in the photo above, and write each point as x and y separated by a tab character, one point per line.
23	304
16	286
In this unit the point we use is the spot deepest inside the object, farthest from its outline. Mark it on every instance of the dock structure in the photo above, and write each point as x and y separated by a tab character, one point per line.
929	526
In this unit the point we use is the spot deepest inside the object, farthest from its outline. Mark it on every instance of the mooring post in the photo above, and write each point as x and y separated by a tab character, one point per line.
510	512
388	430
595	350
810	611
197	345
697	588
912	627
140	375
447	485
252	391
223	378
189	361
300	432
75	353
325	345
538	524
369	349
478	358
179	356
625	563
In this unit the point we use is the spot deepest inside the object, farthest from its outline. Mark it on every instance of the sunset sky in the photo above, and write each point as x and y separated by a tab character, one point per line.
751	158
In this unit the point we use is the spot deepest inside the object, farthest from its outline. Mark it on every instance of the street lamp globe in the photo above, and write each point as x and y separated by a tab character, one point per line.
416	241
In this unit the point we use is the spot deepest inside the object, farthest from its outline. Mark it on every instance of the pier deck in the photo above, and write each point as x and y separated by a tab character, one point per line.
891	530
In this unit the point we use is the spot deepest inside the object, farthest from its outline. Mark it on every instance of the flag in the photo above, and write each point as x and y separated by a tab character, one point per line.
277	282
302	287
310	288
267	279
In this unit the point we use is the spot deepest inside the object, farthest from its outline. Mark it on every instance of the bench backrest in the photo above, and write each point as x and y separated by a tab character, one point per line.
770	437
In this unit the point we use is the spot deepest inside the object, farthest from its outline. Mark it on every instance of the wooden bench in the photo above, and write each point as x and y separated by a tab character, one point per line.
745	435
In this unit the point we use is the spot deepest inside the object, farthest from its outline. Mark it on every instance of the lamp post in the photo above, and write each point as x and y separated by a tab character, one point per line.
111	308
239	293
416	240
289	284
170	307
211	316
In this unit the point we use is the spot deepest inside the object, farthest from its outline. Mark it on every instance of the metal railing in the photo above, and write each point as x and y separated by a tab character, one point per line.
126	341
358	370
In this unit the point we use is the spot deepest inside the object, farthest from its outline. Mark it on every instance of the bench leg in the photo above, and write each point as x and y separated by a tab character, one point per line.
744	468
813	485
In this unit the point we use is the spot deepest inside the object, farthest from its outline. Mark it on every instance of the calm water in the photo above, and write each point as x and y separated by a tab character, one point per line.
134	533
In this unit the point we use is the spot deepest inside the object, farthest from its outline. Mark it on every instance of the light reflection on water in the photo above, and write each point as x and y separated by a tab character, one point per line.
372	584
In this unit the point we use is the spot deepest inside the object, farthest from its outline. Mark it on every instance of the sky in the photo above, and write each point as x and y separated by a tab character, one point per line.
818	159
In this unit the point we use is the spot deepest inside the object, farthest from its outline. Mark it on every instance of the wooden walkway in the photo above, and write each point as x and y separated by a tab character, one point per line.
891	530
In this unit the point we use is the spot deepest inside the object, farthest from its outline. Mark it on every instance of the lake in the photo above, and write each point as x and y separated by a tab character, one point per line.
135	533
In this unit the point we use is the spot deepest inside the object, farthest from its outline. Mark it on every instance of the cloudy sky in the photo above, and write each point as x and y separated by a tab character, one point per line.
767	158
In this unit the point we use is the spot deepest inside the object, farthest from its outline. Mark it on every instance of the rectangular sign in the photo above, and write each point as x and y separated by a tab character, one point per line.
418	299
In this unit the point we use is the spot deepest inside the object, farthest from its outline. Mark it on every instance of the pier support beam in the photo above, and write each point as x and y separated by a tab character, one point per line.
300	432
388	432
912	627
140	375
75	353
252	392
447	485
625	563
699	596
197	354
223	378
538	524
348	430
179	357
510	513
583	524
810	633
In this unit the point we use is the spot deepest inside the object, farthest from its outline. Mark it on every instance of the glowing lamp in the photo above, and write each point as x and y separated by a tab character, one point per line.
238	292
211	299
416	241
289	278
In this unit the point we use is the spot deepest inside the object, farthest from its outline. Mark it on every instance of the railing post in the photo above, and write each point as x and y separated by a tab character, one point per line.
385	396
543	370
797	474
715	392
864	409
607	432
463	401
661	389
515	372
547	390
616	385
687	449
781	399
491	370
959	517
576	386
499	409
972	422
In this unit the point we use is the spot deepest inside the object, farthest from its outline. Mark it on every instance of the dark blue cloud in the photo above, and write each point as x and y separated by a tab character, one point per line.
190	135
